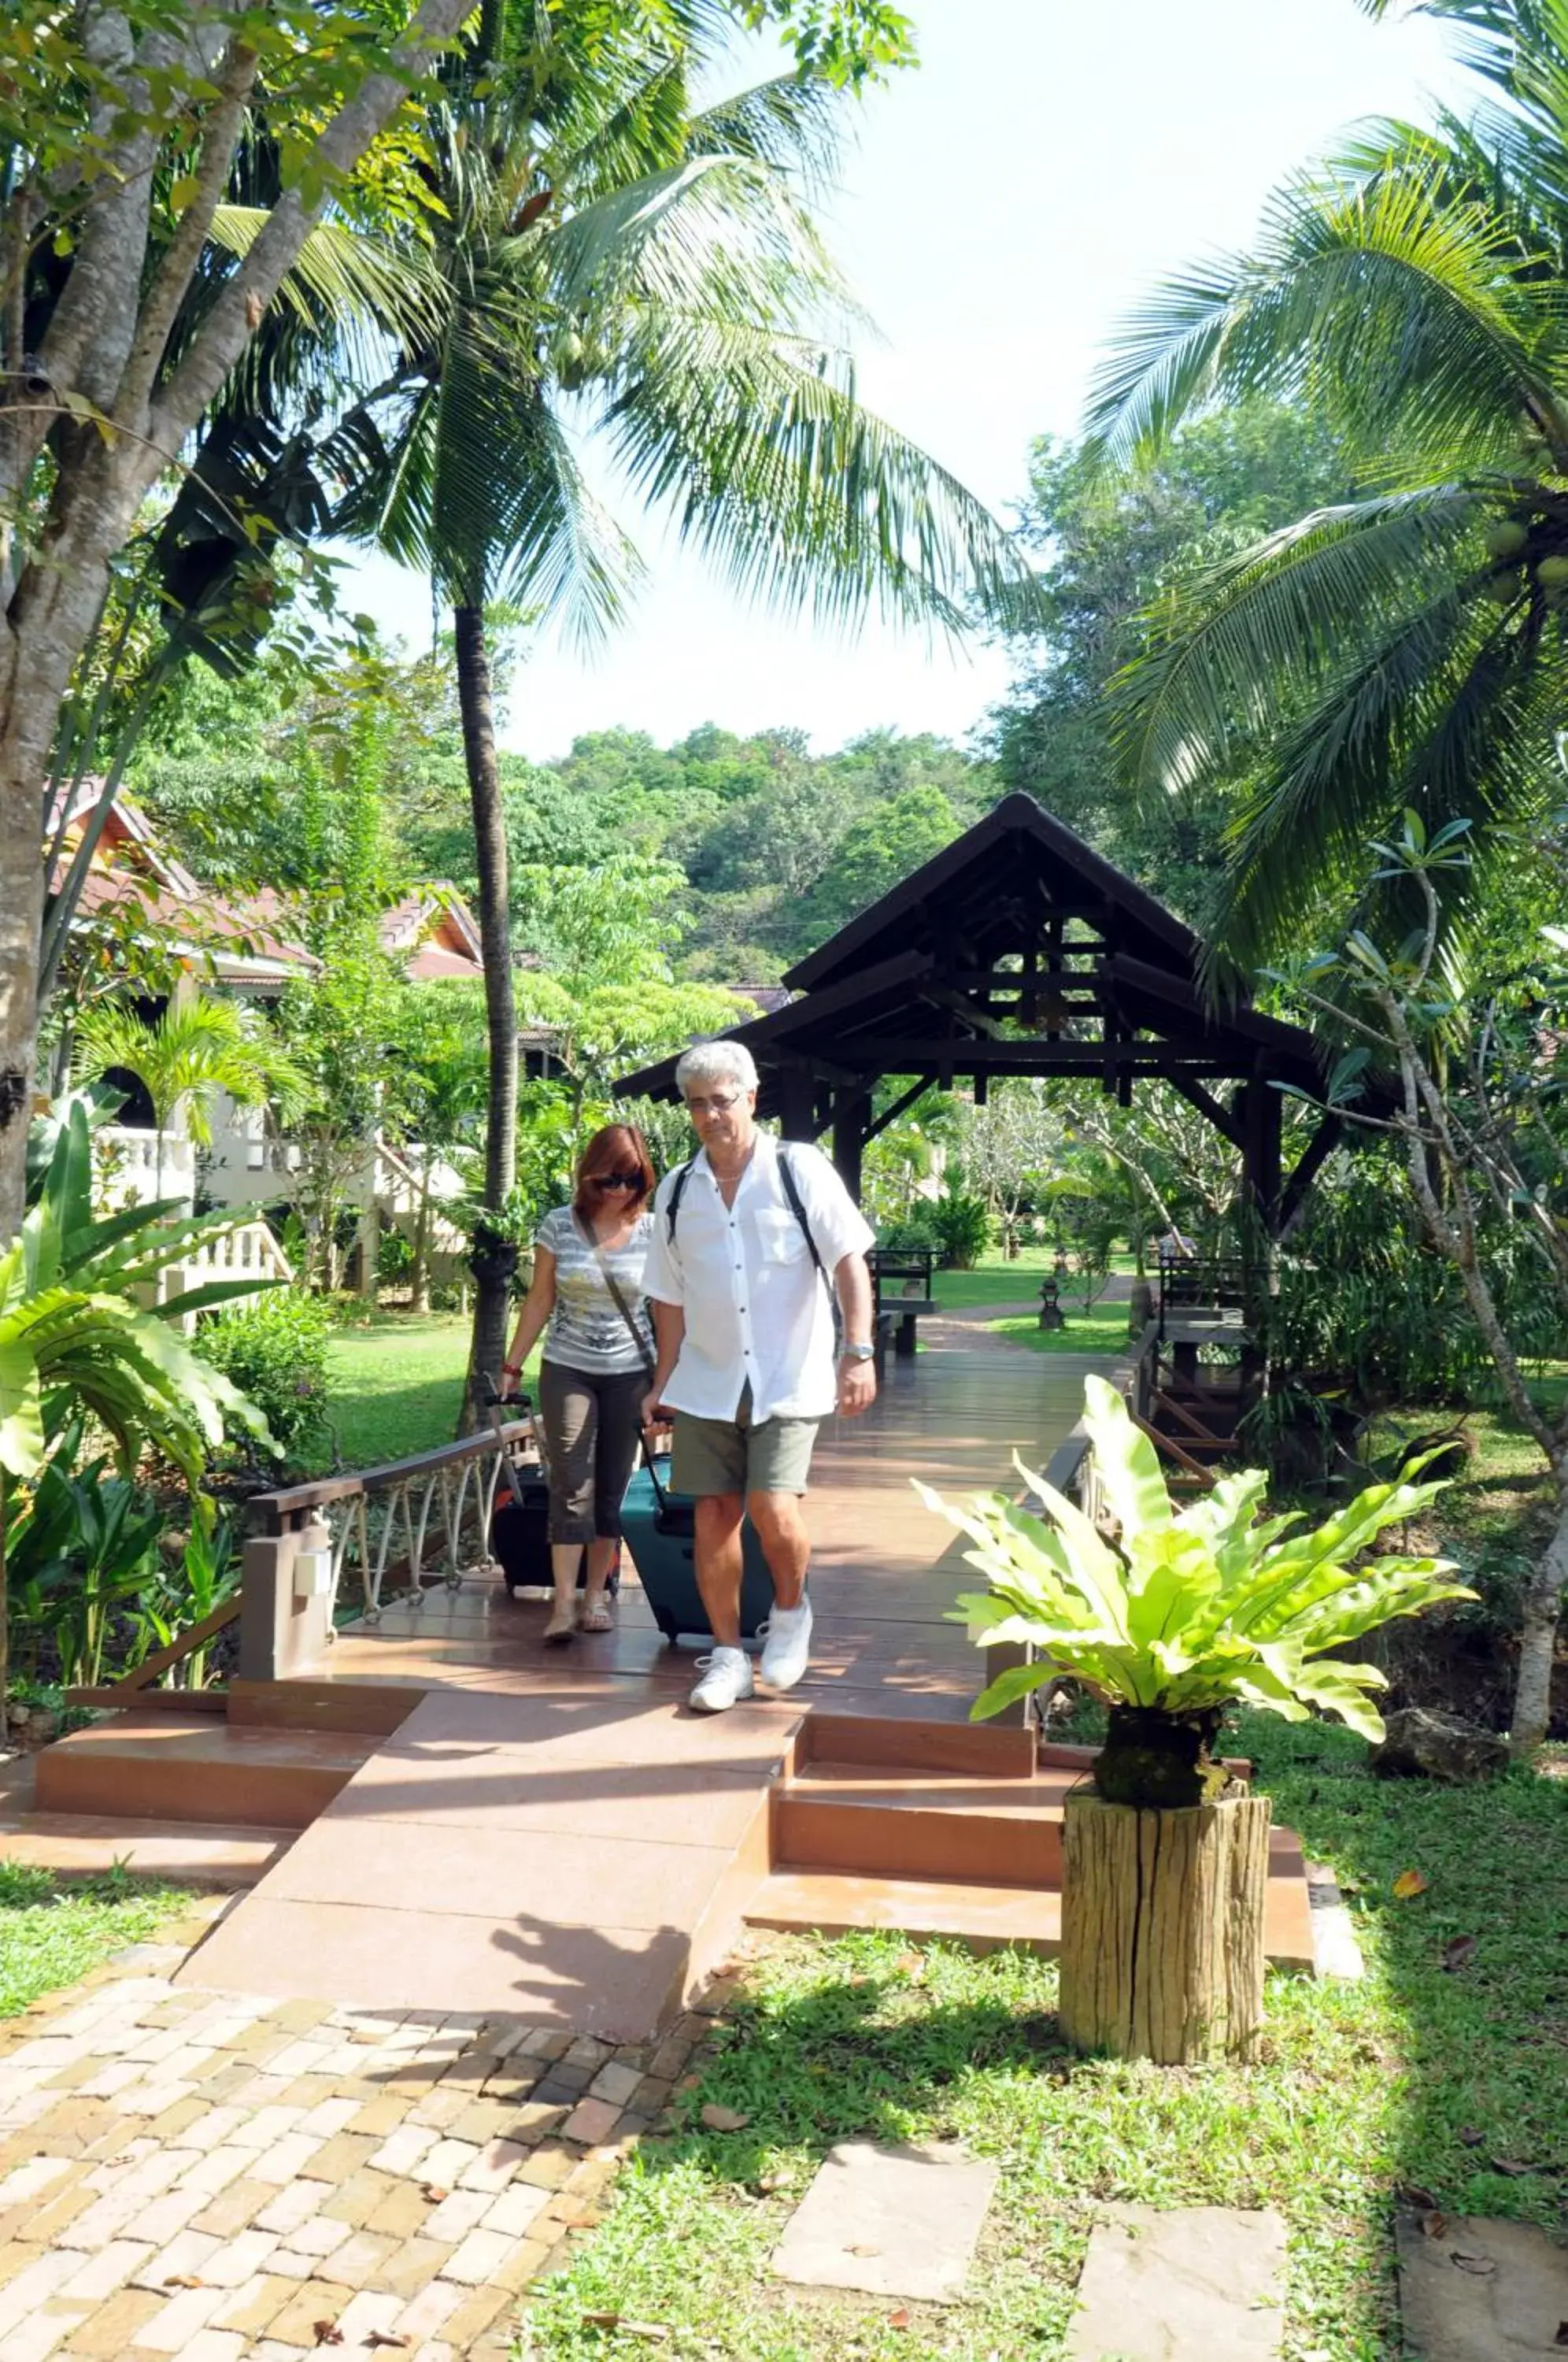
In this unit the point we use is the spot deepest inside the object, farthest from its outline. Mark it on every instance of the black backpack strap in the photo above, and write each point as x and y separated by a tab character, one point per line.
678	1190
793	1191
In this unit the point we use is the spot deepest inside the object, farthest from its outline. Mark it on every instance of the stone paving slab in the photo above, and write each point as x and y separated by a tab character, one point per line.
1482	2292
892	2220
224	2177
1187	2284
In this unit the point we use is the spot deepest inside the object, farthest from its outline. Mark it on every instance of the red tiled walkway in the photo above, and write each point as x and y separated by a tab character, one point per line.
548	1834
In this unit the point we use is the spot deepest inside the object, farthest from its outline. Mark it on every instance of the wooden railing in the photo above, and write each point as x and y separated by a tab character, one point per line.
413	1524
139	1686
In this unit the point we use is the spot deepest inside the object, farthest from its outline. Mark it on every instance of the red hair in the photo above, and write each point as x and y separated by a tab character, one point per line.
615	1148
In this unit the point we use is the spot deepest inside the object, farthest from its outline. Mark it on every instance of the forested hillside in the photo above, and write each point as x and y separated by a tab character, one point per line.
766	847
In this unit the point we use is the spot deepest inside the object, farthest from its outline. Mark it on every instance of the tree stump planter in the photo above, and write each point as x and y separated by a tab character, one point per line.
1162	1928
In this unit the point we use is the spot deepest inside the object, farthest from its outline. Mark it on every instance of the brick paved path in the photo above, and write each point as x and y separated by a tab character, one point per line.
225	2178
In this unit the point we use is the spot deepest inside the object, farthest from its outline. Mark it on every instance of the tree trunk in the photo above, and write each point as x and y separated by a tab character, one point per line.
1162	1928
4	1612
371	1244
1538	1637
488	1348
21	912
419	1287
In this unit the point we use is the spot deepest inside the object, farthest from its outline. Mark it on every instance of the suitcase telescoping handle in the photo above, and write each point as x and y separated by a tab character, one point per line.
661	1497
498	1405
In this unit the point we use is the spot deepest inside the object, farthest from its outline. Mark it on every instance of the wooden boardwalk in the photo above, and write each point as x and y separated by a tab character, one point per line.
546	1833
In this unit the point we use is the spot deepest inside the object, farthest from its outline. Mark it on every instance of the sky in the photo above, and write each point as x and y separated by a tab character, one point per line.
1002	208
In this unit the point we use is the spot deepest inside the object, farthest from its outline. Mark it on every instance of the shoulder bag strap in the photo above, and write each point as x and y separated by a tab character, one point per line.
622	1306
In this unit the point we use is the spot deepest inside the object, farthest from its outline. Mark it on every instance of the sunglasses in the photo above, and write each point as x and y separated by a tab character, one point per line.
617	1180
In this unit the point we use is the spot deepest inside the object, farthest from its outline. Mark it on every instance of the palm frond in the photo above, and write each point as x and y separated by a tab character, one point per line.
794	123
769	465
345	274
1262	631
1399	315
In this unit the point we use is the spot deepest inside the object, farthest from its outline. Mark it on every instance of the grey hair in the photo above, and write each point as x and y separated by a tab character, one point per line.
716	1062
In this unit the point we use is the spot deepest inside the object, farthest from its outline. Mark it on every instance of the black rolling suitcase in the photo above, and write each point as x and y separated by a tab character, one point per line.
520	1520
658	1528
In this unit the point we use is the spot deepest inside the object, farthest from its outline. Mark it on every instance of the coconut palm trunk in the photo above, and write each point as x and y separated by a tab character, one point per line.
492	1278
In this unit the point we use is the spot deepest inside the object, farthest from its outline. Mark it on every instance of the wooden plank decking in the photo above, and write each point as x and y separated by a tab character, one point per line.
884	1570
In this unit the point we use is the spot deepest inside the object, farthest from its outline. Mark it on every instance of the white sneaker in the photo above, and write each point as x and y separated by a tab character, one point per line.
726	1679
789	1646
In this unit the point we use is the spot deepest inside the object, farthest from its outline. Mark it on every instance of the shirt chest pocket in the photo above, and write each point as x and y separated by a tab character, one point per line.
780	1237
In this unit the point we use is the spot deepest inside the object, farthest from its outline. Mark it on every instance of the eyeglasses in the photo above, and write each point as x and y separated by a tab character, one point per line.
617	1180
718	1105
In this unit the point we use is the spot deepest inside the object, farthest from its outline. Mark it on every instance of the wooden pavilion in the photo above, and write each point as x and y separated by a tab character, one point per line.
1019	950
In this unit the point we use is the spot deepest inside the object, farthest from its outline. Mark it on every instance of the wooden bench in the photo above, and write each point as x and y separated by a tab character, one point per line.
902	1278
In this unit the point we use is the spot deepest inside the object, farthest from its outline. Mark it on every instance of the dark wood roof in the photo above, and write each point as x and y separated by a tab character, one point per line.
994	885
1018	950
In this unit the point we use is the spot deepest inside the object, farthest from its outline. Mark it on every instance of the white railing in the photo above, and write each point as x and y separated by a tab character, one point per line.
249	1251
126	1167
400	1181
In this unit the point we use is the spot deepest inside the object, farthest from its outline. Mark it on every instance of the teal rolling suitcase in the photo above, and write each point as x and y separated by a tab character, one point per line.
657	1526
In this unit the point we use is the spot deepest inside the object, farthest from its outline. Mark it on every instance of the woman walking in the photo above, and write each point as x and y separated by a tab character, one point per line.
598	1358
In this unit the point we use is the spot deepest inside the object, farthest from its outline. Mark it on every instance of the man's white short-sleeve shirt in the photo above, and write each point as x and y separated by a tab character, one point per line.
744	1277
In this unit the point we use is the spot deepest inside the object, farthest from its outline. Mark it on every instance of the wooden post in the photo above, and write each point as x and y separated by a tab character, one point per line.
797	1113
851	1107
1162	1928
280	1630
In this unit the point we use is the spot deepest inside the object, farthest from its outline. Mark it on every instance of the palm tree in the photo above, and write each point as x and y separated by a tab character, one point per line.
1407	647
614	261
199	1045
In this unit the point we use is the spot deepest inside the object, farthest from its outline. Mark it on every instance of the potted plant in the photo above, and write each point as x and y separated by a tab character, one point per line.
1168	1618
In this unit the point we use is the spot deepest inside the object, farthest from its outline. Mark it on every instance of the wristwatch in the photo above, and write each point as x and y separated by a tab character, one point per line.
858	1353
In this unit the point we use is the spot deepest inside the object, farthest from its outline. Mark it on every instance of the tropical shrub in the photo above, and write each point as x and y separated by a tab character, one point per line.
80	1550
963	1228
76	1344
914	1233
1187	1611
275	1352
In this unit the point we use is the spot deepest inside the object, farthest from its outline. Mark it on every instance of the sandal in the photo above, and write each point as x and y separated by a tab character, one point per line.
562	1624
596	1615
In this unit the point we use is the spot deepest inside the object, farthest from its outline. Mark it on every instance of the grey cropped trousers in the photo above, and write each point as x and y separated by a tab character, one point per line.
592	1422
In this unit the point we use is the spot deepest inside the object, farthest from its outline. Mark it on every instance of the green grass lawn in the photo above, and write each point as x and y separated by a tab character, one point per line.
397	1385
1456	2085
994	1281
53	1930
1104	1331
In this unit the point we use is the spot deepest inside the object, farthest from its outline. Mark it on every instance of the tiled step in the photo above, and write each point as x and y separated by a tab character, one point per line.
374	1708
985	1914
179	1767
906	1822
200	1853
984	1918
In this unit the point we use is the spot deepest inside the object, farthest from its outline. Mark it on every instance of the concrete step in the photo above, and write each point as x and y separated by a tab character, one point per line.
981	1916
188	1853
373	1709
913	1822
185	1768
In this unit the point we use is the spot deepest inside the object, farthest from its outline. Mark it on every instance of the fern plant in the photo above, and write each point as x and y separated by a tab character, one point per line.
1186	1611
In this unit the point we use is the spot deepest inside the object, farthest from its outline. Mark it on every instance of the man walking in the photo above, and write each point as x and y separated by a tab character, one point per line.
747	1238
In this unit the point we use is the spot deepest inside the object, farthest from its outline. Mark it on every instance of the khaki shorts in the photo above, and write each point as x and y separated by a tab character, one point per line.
730	1455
